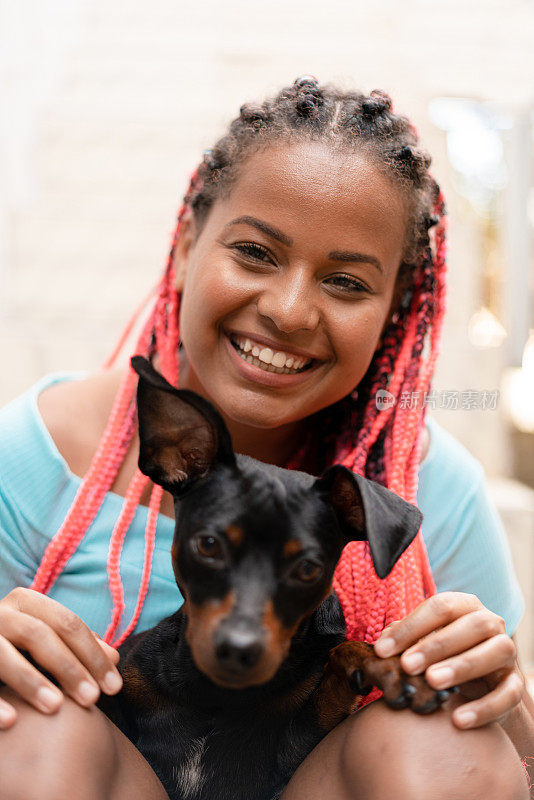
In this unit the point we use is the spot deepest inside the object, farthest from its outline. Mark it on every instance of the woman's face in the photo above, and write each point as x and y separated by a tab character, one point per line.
296	267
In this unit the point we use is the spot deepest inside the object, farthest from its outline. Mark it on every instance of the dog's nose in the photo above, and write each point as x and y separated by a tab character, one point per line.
238	647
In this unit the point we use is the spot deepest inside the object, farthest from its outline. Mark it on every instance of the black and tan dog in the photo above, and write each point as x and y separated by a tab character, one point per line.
226	697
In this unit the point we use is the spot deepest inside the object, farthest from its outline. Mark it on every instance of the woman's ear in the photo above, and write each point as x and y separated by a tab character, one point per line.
186	240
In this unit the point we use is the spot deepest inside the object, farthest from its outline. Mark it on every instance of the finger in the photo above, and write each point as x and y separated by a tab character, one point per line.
8	715
457	637
492	706
74	633
49	651
110	651
480	661
17	673
439	610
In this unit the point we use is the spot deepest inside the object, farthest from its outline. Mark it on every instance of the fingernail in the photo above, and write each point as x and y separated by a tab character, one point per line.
466	718
441	676
385	647
87	692
413	662
48	699
111	682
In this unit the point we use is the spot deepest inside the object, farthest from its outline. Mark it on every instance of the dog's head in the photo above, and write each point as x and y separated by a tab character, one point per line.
255	547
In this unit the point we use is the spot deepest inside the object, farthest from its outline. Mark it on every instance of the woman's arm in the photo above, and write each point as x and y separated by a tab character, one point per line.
58	641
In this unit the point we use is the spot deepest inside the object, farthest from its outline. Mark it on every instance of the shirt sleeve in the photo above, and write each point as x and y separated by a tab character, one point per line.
17	562
29	488
466	542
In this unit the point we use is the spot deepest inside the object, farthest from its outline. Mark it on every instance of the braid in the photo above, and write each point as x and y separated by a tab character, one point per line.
382	443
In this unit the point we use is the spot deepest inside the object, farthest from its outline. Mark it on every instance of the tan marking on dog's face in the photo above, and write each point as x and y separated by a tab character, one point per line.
280	636
202	623
234	535
292	548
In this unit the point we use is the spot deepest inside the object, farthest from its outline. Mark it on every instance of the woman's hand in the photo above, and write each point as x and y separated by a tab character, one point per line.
456	641
58	641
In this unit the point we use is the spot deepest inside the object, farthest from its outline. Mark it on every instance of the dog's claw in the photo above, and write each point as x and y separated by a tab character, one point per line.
411	696
408	690
399	702
428	707
357	685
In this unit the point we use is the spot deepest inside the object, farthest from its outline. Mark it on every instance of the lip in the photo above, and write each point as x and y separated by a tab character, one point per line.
293	351
258	375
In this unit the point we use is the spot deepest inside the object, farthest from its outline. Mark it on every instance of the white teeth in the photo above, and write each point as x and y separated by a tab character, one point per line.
268	359
266	355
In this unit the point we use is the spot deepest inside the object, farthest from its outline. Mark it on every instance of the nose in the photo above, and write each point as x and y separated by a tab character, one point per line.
289	301
238	645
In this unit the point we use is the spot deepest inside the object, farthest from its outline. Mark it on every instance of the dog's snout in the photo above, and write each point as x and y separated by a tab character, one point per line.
238	646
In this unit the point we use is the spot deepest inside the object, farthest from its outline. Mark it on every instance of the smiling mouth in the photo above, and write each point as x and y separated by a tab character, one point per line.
267	359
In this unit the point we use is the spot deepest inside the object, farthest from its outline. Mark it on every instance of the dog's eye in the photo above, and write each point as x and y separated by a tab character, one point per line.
209	547
308	571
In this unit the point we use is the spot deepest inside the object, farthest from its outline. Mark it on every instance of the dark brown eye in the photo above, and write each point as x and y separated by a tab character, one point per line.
209	547
308	571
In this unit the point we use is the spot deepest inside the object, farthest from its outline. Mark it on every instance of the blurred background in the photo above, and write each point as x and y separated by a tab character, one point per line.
107	107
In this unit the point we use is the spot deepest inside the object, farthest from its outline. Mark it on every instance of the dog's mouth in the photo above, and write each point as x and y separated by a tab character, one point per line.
228	680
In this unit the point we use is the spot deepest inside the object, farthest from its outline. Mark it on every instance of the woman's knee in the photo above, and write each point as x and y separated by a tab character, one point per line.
388	754
69	753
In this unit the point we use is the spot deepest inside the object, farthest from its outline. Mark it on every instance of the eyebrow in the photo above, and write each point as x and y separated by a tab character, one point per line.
357	258
275	233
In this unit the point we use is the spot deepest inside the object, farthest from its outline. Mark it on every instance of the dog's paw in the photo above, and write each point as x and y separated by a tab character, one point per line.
362	669
400	690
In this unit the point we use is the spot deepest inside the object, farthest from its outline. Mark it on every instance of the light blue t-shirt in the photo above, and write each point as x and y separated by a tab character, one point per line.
464	536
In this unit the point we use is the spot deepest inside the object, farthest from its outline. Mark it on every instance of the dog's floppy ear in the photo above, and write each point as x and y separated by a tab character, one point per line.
181	435
369	512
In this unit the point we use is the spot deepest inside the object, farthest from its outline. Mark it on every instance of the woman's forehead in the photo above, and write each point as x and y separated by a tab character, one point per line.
310	186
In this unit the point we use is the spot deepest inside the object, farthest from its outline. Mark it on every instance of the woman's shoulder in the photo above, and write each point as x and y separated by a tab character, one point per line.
75	414
464	536
449	478
45	432
33	475
447	460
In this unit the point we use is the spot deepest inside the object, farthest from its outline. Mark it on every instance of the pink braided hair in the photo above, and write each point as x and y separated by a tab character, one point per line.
369	604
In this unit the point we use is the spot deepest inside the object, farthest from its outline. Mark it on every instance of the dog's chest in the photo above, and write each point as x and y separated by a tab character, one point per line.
201	757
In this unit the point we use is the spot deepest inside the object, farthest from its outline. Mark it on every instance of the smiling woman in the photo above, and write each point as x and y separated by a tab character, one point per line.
309	272
306	275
